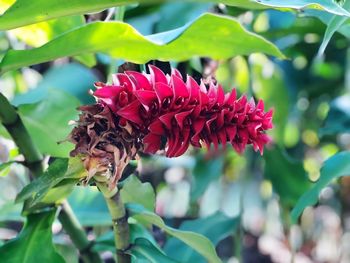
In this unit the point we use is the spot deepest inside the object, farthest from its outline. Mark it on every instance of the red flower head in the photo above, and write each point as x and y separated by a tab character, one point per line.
169	113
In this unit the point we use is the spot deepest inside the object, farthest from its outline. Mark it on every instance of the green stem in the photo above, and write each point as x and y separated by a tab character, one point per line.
77	234
33	160
14	125
120	222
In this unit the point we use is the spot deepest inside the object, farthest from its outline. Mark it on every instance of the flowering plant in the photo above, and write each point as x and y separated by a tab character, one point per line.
157	112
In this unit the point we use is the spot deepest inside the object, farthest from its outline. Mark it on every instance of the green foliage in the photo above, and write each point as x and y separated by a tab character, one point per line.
205	172
145	251
309	96
56	173
122	41
34	243
338	118
47	122
71	78
215	227
287	176
89	207
199	243
333	168
144	194
23	12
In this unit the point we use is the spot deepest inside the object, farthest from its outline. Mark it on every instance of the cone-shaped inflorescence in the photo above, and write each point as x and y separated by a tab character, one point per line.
152	112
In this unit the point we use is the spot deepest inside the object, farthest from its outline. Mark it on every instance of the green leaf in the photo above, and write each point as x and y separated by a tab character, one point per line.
338	118
336	166
169	14
327	5
38	34
204	172
89	206
56	172
47	122
198	242
24	12
144	195
34	243
72	78
215	227
288	177
335	23
146	251
122	41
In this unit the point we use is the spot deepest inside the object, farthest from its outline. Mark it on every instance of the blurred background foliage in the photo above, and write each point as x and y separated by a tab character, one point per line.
241	203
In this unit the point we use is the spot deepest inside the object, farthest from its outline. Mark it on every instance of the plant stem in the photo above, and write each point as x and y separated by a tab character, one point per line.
120	222
34	161
14	125
77	234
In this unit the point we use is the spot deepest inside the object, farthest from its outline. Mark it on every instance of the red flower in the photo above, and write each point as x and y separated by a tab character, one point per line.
169	113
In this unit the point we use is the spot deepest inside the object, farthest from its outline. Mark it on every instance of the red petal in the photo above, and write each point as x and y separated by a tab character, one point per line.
175	72
220	95
184	144
222	137
163	91
260	105
146	97
152	143
131	112
179	87
166	119
156	127
121	79
140	81
107	92
230	97
157	75
231	132
180	117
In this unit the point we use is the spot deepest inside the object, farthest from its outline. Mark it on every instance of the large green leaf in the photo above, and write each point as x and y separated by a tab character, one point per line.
38	34
287	176
215	227
89	206
145	251
34	243
334	24
47	122
209	35
143	195
24	12
336	166
56	173
196	241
